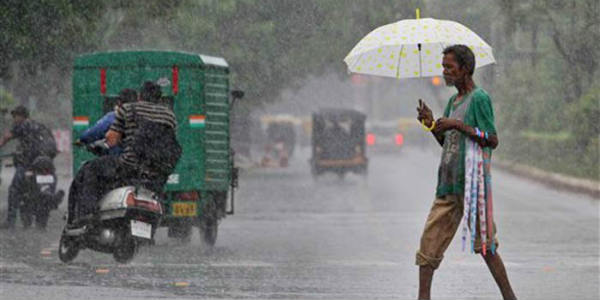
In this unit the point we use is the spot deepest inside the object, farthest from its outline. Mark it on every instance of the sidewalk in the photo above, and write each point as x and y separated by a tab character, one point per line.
574	184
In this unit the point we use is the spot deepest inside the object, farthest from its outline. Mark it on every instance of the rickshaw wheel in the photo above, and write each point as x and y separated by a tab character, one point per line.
209	231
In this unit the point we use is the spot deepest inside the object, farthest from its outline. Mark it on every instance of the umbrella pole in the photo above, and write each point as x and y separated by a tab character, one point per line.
420	68
418	13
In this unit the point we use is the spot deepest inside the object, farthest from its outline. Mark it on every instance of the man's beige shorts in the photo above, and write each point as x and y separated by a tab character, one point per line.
441	226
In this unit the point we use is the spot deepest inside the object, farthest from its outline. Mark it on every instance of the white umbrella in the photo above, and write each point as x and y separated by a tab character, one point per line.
413	48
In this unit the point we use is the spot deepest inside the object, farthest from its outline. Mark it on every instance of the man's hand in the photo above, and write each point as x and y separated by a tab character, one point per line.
113	138
6	137
425	114
443	124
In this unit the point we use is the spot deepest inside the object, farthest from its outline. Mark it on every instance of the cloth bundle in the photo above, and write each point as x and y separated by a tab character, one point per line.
478	196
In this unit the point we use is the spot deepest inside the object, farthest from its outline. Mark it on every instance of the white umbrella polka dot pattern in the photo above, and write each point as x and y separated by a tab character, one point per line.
393	50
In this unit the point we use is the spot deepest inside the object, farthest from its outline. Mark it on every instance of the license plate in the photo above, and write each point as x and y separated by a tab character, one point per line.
184	209
141	229
44	179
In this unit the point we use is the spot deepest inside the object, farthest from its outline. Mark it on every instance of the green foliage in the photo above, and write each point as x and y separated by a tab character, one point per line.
274	44
6	99
529	98
553	153
560	136
38	34
585	117
542	87
547	51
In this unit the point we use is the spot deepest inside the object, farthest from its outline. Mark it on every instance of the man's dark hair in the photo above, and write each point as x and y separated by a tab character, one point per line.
150	92
20	111
127	96
464	57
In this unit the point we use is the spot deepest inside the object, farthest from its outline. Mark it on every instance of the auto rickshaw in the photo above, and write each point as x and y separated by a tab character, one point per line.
338	142
281	139
199	192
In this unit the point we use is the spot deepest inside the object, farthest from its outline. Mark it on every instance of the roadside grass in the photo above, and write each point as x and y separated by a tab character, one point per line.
557	152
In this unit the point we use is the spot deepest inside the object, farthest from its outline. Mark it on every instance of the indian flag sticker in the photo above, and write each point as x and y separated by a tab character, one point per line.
197	121
81	122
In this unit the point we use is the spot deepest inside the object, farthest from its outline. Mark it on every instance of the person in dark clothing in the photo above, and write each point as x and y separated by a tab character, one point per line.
26	131
102	174
99	130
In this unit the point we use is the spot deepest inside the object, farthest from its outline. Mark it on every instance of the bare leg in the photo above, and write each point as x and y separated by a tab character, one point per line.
425	278
496	266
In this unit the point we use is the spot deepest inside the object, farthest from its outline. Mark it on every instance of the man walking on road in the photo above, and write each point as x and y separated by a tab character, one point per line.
31	140
468	115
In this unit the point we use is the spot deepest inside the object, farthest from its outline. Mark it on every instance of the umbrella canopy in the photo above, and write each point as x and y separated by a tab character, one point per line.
413	48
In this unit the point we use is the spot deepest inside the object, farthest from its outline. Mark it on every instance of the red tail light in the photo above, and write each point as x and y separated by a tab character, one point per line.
189	196
399	139
149	205
370	139
175	80
102	81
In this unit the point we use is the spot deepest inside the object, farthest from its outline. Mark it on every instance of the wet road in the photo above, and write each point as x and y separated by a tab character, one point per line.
294	238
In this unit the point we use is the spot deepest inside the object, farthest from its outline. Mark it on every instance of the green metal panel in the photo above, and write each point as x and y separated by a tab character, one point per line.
216	90
128	59
203	88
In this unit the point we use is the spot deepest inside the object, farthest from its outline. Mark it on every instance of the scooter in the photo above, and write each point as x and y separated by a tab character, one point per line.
126	218
39	192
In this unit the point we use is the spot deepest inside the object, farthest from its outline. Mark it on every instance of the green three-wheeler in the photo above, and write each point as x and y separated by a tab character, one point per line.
200	190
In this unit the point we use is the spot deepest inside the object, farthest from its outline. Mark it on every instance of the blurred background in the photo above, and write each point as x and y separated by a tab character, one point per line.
287	56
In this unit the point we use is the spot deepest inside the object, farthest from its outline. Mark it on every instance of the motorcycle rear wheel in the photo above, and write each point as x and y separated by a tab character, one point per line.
67	249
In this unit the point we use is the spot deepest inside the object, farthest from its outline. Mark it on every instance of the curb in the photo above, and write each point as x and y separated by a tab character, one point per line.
579	185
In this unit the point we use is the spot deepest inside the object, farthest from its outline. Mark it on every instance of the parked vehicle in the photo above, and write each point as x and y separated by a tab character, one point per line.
338	142
199	192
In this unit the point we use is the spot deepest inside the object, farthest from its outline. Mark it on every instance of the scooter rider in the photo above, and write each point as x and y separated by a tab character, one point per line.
102	174
99	130
27	132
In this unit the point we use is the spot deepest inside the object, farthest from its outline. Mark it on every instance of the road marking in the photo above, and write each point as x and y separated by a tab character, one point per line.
195	266
363	263
548	269
182	284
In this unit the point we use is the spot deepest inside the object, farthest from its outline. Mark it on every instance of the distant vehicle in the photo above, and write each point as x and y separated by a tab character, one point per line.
197	88
392	136
280	131
338	142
